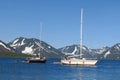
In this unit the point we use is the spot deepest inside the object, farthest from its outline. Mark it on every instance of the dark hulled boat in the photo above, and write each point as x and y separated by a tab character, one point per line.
36	60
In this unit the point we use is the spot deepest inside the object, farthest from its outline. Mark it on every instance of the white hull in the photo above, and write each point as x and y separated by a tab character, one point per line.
75	61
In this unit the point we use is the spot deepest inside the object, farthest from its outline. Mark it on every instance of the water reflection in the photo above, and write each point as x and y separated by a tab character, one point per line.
84	73
76	73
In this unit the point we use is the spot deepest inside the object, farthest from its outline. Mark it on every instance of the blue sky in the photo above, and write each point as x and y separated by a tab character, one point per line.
61	21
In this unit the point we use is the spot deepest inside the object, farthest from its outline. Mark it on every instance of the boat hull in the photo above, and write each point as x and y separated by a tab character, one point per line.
37	61
82	62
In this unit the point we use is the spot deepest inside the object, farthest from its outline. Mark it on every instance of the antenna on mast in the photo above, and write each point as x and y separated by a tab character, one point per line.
81	32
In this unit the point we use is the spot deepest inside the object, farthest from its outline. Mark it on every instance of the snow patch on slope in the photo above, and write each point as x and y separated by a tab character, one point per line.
49	47
22	43
15	44
84	48
5	46
15	41
107	53
28	50
74	50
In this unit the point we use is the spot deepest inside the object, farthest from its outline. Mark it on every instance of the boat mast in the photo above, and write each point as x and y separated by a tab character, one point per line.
81	32
40	34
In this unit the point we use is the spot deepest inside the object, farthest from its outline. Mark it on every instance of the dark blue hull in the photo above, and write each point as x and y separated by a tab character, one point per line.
37	61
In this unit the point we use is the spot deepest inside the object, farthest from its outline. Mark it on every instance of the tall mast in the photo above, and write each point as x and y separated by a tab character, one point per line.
81	32
40	33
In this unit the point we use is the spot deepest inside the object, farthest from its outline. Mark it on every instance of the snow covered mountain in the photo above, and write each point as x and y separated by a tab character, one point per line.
32	47
102	53
112	53
5	48
75	49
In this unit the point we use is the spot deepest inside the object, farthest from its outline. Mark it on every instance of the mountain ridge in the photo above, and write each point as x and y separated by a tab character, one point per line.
34	46
5	48
31	46
112	53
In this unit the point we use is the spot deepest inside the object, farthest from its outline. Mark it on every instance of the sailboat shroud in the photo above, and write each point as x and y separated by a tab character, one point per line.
79	60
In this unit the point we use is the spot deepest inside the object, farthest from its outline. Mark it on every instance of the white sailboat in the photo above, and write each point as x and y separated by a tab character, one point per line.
38	58
79	60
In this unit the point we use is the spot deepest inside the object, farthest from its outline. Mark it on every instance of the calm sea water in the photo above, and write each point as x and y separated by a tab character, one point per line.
16	69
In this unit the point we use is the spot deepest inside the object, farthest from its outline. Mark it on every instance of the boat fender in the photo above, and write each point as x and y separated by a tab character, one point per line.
69	61
83	60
